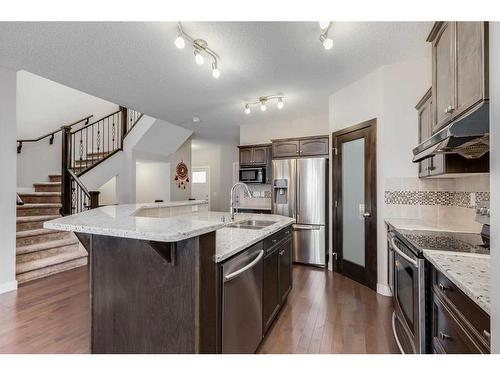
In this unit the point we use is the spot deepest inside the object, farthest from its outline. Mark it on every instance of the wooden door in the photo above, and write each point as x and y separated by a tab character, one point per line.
270	296
259	155
245	156
470	64
285	149
442	76
355	203
312	147
424	108
285	273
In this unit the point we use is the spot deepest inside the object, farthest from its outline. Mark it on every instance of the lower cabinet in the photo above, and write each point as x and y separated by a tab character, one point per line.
458	324
277	276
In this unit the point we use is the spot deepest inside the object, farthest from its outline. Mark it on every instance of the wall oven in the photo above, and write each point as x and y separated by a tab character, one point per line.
407	271
256	175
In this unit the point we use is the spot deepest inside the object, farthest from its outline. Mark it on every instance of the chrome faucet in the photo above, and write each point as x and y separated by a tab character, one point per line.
231	202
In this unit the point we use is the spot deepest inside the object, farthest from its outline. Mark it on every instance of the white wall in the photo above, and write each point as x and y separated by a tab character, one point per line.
8	185
388	94
107	193
495	183
300	127
219	156
44	106
152	181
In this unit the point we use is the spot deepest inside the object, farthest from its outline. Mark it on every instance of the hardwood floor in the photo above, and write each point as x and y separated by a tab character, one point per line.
325	313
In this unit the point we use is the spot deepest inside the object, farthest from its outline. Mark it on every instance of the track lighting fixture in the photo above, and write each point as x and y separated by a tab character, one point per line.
323	38
200	48
262	101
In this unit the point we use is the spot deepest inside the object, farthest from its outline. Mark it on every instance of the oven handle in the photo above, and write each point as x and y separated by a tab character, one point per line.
403	255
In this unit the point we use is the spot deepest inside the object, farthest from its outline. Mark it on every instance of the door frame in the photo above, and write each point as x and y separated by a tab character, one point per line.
208	182
368	274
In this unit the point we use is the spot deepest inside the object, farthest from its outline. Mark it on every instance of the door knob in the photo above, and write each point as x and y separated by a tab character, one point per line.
367	214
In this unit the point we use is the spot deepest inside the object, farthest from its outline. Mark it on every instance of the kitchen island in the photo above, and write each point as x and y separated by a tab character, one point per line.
156	274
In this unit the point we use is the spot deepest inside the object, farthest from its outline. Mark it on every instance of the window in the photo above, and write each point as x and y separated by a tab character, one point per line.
200	177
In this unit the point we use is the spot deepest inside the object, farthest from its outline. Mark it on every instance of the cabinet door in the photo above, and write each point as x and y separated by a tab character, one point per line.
270	296
442	77
469	62
259	155
424	132
285	148
285	274
245	156
310	147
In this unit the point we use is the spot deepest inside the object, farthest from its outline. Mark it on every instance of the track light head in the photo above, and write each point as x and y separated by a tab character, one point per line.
247	109
280	103
215	70
198	57
327	42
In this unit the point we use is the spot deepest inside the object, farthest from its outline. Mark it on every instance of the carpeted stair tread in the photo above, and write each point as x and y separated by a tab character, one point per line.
46	245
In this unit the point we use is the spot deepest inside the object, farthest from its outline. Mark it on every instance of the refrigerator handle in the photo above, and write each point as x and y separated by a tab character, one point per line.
297	192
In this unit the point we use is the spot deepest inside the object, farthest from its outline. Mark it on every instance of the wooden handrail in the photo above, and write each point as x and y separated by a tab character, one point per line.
51	134
96	121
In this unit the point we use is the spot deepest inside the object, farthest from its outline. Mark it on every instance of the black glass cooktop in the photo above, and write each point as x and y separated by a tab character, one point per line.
446	241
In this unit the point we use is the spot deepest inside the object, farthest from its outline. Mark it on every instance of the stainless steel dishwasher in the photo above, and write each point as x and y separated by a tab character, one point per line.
242	301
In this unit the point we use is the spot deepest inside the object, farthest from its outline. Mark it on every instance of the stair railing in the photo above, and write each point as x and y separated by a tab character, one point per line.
86	147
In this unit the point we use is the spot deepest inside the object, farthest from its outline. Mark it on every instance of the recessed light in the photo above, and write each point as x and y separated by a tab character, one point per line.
196	119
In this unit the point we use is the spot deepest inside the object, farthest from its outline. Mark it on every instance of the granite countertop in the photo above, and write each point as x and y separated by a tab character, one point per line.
230	241
416	224
122	221
470	272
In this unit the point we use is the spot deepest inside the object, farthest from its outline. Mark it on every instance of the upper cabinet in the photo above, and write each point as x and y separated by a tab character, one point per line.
286	148
307	146
254	155
459	69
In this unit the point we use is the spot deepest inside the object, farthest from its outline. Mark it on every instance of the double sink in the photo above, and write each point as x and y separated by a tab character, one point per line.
251	224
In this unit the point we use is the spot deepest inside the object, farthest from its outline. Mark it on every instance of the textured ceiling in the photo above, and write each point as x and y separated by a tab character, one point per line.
136	64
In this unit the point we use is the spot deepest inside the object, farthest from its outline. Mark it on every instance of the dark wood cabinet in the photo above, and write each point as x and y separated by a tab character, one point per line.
306	146
285	271
278	277
287	148
459	69
439	165
254	155
458	324
270	297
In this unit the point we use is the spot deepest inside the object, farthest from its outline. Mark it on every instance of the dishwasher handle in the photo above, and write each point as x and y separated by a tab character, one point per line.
234	274
403	255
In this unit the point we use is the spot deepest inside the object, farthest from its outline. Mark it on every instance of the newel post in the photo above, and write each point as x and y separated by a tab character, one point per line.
94	199
65	176
124	122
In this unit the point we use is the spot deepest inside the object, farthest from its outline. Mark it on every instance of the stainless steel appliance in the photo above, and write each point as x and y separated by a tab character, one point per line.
409	276
253	175
300	188
467	136
242	302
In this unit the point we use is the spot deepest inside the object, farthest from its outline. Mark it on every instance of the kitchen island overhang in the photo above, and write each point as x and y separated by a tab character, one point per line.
159	292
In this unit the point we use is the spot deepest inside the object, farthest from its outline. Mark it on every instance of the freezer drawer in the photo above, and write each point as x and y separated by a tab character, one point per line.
309	244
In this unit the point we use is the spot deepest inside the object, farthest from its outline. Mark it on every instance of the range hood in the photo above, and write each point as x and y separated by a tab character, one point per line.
468	136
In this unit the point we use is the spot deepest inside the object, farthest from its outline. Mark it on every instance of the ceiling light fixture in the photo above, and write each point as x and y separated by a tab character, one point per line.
200	48
324	24
262	101
323	38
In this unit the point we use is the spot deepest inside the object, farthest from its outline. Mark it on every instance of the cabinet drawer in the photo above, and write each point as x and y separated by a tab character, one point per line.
474	318
448	336
276	238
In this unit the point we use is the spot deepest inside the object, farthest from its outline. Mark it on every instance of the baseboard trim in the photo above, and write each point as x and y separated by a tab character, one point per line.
8	287
384	290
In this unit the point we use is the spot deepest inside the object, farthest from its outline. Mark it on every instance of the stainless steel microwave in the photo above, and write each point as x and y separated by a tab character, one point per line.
251	175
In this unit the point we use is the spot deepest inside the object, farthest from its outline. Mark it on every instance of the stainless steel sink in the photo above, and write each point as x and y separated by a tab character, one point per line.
252	224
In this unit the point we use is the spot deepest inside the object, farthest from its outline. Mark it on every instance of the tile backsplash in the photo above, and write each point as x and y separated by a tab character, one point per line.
446	200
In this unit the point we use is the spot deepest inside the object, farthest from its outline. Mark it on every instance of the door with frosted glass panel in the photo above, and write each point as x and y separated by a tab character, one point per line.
355	207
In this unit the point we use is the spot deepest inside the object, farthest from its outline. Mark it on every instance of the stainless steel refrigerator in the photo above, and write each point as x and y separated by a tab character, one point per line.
300	188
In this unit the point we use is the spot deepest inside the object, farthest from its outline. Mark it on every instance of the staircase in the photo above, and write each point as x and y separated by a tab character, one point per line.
42	252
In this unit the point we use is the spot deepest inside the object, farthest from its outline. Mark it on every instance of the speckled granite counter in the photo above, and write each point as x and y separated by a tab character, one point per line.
152	222
416	224
470	272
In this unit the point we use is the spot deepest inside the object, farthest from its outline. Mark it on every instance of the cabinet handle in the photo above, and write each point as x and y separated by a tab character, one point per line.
487	335
442	287
282	252
449	109
274	241
443	336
